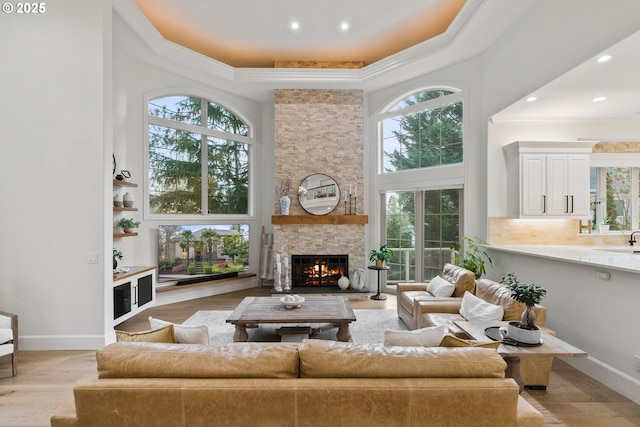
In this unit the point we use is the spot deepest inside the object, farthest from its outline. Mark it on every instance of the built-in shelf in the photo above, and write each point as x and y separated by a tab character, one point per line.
319	219
117	183
122	209
119	235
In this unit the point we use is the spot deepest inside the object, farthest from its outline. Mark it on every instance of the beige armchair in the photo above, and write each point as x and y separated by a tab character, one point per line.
9	340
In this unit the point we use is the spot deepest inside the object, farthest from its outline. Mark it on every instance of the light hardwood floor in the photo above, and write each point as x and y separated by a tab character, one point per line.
46	378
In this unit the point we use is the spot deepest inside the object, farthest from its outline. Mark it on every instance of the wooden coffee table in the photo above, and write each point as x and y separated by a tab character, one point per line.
315	309
551	346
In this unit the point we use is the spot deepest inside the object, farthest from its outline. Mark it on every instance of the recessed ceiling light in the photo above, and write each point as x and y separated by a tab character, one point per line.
344	26
295	25
532	98
599	98
603	58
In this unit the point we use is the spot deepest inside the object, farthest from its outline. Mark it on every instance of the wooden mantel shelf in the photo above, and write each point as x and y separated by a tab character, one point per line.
319	219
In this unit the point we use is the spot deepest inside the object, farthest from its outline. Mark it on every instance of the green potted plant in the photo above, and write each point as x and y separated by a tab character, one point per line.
128	224
473	258
380	255
116	254
528	294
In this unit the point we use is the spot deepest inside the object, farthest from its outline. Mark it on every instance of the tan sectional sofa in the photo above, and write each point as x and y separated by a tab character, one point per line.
313	383
424	310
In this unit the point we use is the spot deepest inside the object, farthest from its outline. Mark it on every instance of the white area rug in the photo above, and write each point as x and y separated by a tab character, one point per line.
368	328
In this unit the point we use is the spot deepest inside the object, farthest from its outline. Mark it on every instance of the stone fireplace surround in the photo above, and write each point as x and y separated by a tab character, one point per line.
326	126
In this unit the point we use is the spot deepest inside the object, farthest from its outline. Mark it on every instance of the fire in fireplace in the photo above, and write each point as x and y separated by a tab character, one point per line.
318	270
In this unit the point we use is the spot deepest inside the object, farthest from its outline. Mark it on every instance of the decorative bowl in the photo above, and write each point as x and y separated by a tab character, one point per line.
292	301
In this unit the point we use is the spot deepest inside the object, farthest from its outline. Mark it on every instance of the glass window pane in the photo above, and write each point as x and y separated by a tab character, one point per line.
228	172
420	97
174	171
223	120
428	138
441	229
401	236
617	204
182	109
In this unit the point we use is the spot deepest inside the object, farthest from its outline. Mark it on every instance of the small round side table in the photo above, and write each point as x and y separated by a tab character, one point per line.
378	269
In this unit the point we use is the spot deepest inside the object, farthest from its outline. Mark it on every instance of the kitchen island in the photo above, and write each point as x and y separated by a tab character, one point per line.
593	301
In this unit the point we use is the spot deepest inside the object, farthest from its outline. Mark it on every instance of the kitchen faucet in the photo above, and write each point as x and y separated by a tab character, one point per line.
631	238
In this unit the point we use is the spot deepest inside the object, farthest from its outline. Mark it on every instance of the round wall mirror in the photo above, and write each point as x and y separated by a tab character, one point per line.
318	194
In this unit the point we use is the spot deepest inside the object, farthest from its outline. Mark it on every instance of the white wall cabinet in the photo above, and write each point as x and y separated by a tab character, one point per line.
133	292
548	179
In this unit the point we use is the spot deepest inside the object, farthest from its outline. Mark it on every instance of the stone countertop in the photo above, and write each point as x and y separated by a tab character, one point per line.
614	257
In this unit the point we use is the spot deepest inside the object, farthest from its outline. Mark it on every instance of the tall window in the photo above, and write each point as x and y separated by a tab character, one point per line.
419	136
199	158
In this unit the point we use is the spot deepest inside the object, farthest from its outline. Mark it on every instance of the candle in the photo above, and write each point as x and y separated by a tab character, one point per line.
279	268
286	263
278	258
349	189
356	190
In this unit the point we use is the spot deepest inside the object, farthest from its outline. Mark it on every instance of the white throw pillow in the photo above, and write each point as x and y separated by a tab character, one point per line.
185	334
474	308
439	287
425	337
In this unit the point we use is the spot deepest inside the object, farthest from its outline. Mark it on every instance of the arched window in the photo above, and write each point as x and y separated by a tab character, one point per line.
422	130
199	154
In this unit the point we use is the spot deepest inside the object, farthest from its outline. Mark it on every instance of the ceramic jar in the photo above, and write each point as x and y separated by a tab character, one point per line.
343	282
285	204
127	200
356	278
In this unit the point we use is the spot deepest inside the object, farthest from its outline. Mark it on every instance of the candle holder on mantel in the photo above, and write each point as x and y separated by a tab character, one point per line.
287	283
277	280
353	202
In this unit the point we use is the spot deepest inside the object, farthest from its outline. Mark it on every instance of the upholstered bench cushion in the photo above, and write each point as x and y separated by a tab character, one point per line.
331	359
234	360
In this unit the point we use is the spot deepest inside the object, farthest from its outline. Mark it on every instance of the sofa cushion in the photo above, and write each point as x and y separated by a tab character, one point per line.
164	334
233	360
474	308
333	359
185	334
425	337
497	293
438	287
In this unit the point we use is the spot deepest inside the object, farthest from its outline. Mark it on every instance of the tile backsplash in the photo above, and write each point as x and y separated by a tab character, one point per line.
508	231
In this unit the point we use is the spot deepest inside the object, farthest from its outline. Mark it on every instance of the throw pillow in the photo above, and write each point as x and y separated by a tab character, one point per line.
164	334
185	334
439	287
425	337
474	308
453	341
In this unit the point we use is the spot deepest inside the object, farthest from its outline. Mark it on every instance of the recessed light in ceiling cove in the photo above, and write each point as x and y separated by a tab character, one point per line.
599	98
603	58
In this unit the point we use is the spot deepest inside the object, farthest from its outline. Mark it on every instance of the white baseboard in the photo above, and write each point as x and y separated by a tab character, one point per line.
624	384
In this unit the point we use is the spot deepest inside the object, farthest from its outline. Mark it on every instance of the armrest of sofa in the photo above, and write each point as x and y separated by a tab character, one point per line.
451	305
65	418
406	287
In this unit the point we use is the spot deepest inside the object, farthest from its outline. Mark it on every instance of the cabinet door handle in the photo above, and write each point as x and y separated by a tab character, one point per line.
566	203
135	295
544	204
572	204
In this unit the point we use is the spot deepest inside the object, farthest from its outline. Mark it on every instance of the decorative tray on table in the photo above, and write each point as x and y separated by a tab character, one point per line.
494	333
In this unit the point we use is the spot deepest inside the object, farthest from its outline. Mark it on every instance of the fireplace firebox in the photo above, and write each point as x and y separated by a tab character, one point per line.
318	270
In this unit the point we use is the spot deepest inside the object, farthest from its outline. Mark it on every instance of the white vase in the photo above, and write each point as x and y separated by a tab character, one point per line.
604	228
343	282
356	278
117	200
127	199
285	204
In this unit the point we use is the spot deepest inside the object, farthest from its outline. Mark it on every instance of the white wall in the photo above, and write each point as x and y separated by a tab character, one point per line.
52	122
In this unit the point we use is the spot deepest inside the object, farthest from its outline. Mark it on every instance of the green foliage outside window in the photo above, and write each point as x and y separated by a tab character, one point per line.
176	157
